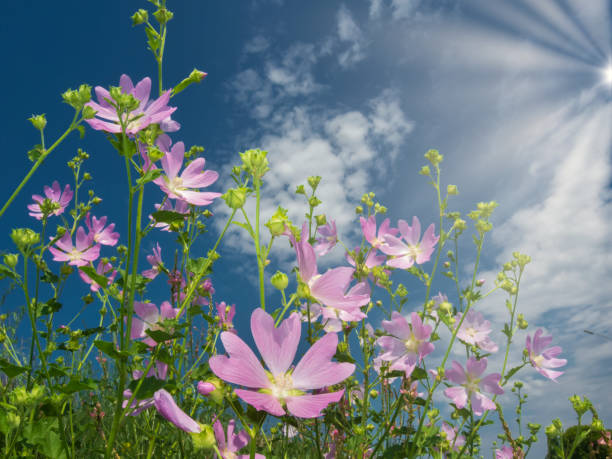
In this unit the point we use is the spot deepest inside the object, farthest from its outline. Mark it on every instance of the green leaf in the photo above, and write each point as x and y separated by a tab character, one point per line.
6	272
149	177
93	275
160	336
512	372
76	385
245	227
394	452
10	369
196	265
167	216
50	306
92	331
35	153
148	387
109	349
344	357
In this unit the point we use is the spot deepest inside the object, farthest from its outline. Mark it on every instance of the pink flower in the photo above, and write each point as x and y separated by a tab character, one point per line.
543	358
185	187
456	441
470	385
156	263
327	240
475	330
160	372
167	407
234	441
98	233
103	269
79	255
57	201
329	289
369	231
407	345
280	387
407	250
506	453
226	314
147	112
206	387
150	319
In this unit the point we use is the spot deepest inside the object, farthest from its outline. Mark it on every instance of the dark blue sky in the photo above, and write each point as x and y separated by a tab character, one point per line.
512	93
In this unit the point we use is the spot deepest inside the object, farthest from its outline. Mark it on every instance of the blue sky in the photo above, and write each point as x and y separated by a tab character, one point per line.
513	93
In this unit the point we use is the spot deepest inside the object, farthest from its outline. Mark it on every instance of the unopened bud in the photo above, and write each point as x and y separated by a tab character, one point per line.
11	260
321	219
139	17
279	280
314	181
452	190
88	112
235	197
38	121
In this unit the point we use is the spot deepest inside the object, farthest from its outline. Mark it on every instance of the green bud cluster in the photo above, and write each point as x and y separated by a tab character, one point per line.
77	98
24	238
255	163
434	157
139	17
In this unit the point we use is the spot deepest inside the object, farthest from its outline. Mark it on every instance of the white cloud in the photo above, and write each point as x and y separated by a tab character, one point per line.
257	44
403	9
349	31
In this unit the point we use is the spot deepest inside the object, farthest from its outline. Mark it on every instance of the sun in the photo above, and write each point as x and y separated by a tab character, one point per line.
607	75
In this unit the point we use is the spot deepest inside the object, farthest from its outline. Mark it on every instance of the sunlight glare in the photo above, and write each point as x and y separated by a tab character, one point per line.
607	75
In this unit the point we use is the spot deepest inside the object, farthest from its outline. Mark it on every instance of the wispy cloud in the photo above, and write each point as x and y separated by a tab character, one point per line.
349	32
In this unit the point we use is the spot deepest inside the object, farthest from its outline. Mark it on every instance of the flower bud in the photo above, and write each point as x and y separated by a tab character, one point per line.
300	190
255	162
374	393
24	238
279	280
434	157
140	17
163	15
278	222
303	291
521	322
321	219
88	112
358	210
206	387
425	170
313	201
480	282
314	181
235	197
452	190
11	260
38	121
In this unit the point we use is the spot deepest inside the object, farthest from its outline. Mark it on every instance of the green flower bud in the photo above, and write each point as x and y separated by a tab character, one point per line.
303	291
38	121
205	439
163	15
452	190
11	260
88	112
313	201
255	162
434	157
374	393
460	225
84	93
140	17
279	280
521	322
235	197
401	291
278	222
483	226
314	181
597	425
24	238
300	190
425	170
12	421
321	219
358	210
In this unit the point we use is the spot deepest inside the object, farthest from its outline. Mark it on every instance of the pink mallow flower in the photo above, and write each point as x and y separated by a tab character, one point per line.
80	254
542	357
407	250
156	263
368	226
505	453
147	112
102	269
150	318
329	289
470	385
226	314
235	442
167	407
185	187
159	371
99	232
475	330
328	236
57	201
281	387
206	387
407	344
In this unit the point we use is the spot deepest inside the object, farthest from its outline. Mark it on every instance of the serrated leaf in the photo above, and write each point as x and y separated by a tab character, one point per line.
512	372
10	369
35	153
160	336
109	349
167	216
49	307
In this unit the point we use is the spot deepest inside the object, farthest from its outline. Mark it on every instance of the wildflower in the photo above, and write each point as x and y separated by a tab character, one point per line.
368	226
329	289
407	250
180	207
159	371
103	269
543	358
234	441
167	407
156	263
148	112
327	240
505	453
98	233
470	384
226	315
408	343
475	330
206	387
80	254
150	318
280	387
185	187
54	203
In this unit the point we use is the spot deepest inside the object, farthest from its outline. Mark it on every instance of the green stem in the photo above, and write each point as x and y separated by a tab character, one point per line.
260	257
39	161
